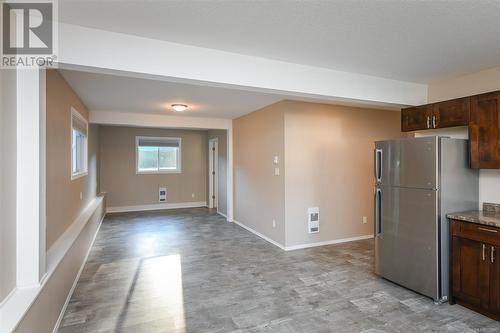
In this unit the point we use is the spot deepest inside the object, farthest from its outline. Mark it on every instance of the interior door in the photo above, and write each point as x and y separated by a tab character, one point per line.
213	173
407	239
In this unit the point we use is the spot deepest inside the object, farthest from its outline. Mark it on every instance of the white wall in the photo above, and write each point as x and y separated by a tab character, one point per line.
480	82
7	182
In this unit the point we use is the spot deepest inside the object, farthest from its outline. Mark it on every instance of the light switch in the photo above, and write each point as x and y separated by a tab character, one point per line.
276	171
276	159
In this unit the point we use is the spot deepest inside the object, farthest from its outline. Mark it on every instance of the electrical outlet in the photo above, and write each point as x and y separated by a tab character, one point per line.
274	223
192	195
276	171
365	220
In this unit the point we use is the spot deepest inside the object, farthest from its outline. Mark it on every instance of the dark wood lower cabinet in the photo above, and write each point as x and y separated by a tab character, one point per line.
495	284
475	267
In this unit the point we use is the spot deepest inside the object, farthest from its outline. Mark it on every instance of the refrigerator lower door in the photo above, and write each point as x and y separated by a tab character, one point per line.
407	238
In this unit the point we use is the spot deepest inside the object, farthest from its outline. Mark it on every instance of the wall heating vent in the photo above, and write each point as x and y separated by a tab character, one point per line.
313	220
162	194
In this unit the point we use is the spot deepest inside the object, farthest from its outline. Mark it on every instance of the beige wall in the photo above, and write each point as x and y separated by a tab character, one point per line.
466	85
46	308
326	161
124	187
7	182
329	164
63	194
259	194
476	83
221	136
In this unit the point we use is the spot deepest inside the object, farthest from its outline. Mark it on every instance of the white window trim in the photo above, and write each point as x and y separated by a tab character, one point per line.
85	172
179	156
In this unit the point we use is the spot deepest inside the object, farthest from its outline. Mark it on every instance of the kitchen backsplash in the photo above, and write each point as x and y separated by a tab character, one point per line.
491	208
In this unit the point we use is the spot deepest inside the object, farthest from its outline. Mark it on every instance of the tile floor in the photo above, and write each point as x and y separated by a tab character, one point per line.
190	271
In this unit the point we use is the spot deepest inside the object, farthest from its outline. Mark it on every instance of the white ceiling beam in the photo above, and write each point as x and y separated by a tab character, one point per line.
157	120
82	47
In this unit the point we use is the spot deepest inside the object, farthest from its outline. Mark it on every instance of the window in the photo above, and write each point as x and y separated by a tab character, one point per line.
158	155
79	128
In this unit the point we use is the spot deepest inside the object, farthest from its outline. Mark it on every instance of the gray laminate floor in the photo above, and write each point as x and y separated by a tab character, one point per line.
190	271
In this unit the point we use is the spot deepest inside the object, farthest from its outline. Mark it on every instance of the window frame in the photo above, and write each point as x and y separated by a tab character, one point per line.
85	170
158	172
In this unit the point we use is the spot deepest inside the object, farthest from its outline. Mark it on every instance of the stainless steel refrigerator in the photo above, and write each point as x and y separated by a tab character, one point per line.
417	182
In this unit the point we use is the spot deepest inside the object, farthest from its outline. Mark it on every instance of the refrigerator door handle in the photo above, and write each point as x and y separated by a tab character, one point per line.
377	226
378	164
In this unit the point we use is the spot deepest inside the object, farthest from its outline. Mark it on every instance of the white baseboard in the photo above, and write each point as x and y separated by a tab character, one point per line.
223	215
330	242
303	246
75	282
260	235
159	206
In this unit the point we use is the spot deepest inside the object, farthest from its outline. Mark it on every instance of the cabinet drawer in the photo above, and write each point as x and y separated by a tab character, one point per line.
478	232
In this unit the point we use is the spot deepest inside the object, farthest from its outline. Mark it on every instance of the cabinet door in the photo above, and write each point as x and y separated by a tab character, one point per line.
452	113
495	281
471	272
416	118
484	131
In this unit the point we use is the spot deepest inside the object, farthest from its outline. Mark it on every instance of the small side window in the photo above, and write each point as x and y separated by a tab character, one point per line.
79	132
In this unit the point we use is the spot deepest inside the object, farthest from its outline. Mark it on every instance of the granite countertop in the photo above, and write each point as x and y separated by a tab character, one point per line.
490	215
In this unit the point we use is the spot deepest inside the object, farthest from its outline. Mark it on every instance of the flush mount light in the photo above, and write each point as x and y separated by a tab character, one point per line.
179	107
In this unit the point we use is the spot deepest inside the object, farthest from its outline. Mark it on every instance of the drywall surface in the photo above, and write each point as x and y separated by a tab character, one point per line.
329	164
66	198
259	194
124	187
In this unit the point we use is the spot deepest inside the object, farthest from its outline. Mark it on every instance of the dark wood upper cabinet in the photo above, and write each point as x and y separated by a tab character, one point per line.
438	115
484	131
416	118
481	113
452	113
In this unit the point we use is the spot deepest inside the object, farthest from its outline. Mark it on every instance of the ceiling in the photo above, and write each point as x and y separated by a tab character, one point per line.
416	41
104	92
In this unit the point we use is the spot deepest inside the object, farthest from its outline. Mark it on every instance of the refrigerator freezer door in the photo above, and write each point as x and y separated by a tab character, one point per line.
406	243
407	163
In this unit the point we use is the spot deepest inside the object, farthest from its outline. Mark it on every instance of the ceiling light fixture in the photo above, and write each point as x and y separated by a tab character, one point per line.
179	107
